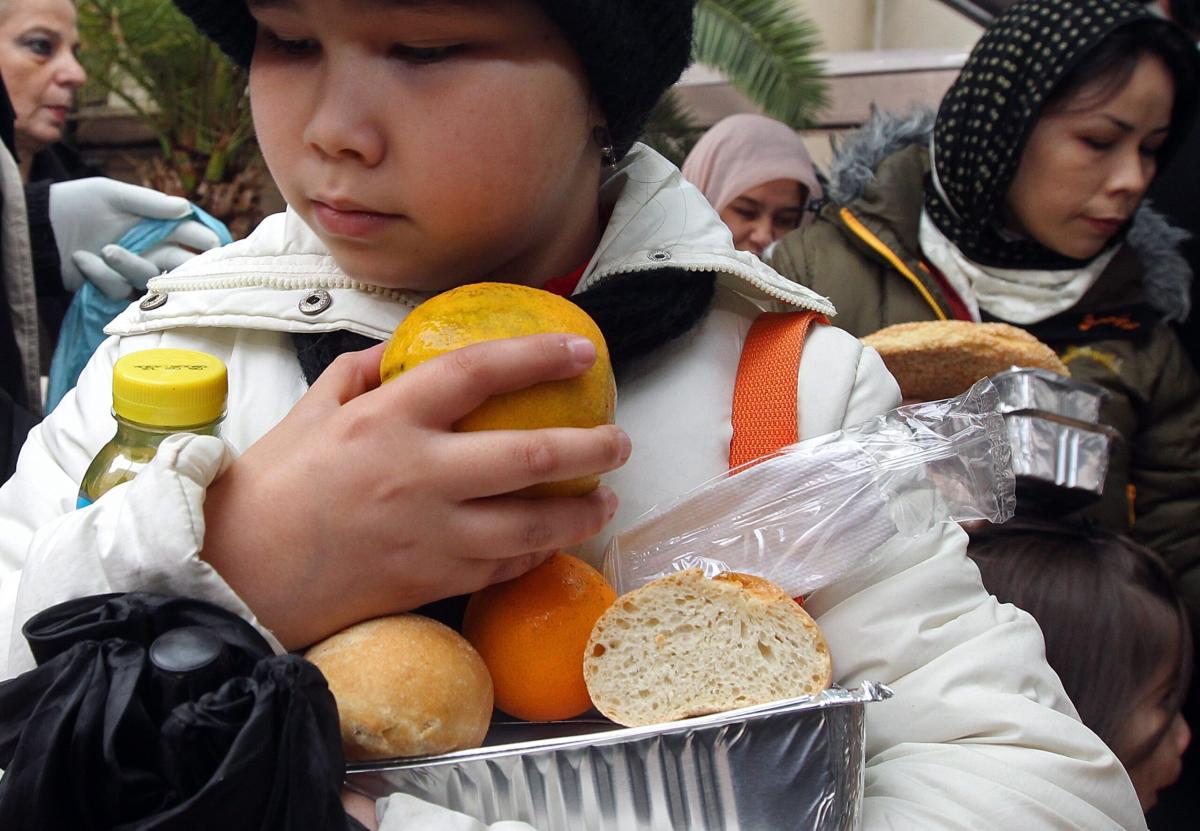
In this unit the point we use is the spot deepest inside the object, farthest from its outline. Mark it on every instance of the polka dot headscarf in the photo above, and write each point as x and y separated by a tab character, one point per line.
989	112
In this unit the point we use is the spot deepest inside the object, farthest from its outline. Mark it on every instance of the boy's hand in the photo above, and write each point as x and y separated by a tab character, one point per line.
364	502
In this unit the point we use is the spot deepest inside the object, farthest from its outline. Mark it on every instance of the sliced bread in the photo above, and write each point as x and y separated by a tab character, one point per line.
686	645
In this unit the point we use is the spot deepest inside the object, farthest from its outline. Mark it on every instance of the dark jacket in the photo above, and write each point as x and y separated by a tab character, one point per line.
863	253
31	281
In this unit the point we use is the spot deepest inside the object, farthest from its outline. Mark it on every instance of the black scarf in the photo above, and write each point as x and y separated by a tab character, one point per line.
987	116
637	313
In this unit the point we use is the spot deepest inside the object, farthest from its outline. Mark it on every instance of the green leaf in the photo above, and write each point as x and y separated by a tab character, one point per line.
765	48
151	57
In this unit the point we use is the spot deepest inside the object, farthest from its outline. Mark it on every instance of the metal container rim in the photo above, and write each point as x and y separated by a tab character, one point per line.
865	692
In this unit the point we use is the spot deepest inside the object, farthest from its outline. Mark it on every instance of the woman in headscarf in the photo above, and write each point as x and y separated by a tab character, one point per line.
757	173
1021	203
38	44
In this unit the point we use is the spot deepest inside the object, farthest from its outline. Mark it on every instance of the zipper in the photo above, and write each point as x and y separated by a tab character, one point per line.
766	288
878	245
167	284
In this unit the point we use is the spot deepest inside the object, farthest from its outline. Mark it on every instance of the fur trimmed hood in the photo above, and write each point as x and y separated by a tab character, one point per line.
1166	278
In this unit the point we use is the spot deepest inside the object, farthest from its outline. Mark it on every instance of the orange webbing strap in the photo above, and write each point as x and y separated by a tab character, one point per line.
764	394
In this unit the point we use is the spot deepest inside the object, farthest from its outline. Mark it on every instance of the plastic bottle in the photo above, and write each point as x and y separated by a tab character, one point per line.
156	393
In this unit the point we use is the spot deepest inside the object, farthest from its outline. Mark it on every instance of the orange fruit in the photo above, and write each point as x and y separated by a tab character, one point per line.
489	311
532	632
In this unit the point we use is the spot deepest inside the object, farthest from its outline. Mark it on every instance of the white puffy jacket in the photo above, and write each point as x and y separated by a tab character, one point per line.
980	733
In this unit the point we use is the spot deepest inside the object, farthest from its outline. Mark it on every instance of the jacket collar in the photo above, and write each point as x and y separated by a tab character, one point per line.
659	220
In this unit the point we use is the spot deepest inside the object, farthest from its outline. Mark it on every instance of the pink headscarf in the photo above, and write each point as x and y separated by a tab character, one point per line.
744	151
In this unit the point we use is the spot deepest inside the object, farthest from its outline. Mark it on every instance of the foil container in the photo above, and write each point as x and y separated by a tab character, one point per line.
1058	461
1049	392
791	764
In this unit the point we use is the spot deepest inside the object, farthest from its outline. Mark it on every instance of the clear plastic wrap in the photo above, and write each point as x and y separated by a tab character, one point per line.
818	511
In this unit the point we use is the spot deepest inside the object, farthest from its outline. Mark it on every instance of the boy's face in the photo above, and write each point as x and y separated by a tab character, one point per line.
429	143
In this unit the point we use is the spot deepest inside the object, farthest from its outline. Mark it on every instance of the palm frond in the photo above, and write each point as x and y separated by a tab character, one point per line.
765	48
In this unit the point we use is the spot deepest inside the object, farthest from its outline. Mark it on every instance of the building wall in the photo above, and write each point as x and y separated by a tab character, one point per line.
850	25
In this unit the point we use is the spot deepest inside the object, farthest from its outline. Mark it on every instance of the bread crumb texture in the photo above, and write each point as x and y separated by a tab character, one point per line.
685	645
938	359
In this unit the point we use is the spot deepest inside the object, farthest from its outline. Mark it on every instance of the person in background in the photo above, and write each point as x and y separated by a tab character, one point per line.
47	245
39	40
757	173
1021	203
423	146
1117	634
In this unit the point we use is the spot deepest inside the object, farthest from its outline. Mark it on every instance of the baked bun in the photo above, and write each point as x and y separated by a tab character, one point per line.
685	645
939	359
405	685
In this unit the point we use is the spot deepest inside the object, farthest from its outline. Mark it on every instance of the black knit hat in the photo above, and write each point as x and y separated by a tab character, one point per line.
631	50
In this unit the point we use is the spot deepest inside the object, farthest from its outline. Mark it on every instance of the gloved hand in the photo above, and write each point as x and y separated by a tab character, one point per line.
89	215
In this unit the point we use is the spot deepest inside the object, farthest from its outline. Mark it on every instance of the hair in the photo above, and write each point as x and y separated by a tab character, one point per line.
1108	610
1101	72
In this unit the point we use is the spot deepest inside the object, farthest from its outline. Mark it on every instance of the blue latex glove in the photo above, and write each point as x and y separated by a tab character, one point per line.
91	309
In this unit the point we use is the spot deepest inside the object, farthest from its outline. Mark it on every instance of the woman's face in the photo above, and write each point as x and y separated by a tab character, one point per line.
1086	166
38	42
429	144
1159	766
765	213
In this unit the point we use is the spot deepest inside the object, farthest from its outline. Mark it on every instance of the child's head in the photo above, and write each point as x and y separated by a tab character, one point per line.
1116	633
435	142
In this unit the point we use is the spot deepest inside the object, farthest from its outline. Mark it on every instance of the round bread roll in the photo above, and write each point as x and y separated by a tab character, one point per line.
939	359
684	645
405	685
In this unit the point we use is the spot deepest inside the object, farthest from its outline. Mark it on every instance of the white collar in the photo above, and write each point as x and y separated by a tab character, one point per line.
1017	295
659	220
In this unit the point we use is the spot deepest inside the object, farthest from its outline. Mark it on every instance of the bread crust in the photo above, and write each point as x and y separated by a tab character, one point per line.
405	685
937	359
685	645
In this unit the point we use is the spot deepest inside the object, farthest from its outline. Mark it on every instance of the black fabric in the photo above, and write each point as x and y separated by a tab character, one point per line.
1176	193
631	50
15	423
637	313
47	271
640	312
317	350
7	118
988	113
99	736
60	163
1133	323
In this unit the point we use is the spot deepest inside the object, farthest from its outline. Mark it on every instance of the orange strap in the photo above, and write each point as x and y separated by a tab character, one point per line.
764	394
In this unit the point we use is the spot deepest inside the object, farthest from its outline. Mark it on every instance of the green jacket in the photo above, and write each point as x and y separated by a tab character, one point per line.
863	253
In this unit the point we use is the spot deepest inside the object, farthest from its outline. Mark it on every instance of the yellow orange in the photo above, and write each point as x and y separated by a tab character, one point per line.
531	633
489	311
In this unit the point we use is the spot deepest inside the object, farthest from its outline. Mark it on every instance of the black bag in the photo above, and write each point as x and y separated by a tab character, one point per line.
151	712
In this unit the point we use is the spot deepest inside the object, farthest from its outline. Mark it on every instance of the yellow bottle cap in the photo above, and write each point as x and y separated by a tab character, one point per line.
169	387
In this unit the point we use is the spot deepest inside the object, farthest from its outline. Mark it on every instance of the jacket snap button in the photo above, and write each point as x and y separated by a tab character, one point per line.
315	302
659	255
152	301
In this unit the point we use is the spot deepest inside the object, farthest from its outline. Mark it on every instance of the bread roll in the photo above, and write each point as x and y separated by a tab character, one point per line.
939	359
685	645
405	685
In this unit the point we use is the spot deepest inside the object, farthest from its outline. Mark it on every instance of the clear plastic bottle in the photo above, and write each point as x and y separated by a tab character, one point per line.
156	393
